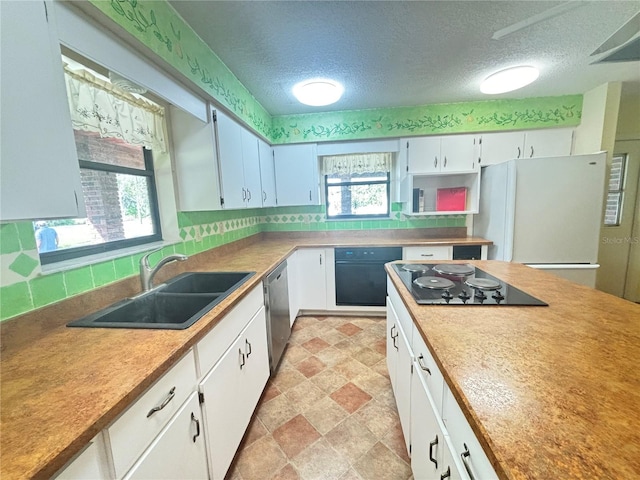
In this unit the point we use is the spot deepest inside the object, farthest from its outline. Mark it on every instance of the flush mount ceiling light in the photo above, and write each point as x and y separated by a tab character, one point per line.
509	79
318	93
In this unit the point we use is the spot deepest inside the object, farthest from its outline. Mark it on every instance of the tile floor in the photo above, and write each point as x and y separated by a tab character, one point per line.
329	412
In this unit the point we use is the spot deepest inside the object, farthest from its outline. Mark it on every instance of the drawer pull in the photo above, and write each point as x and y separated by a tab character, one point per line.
426	254
247	347
172	393
422	365
446	474
194	419
242	358
431	445
465	459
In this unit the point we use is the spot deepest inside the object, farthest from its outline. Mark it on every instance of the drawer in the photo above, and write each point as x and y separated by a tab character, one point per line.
134	430
210	349
406	323
428	369
466	447
437	252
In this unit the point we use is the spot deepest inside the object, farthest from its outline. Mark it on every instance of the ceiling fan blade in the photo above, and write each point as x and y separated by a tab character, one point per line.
540	17
624	33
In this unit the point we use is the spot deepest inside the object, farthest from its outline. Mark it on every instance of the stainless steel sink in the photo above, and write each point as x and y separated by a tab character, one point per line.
176	305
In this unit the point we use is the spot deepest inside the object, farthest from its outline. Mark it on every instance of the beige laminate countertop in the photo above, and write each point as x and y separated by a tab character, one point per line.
67	384
551	392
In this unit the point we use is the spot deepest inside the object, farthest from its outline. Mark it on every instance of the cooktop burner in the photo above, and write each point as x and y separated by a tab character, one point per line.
459	284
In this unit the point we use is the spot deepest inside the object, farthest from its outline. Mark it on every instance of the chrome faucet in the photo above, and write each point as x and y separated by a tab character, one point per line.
147	273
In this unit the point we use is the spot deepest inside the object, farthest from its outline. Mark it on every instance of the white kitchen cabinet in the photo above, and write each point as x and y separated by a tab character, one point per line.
447	154
178	451
229	136
296	169
267	174
500	147
430	184
402	391
436	252
251	169
136	428
196	163
392	343
231	391
90	464
39	168
552	142
427	370
312	275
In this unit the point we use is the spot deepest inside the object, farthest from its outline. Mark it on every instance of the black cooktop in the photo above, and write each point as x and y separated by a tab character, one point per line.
459	284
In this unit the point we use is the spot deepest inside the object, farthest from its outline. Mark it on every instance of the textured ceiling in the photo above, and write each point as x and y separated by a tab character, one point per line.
399	53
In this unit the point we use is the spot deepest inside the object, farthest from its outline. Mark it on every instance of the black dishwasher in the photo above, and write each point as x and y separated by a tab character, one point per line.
360	276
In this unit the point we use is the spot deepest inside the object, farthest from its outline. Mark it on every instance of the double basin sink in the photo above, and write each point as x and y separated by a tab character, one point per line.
175	305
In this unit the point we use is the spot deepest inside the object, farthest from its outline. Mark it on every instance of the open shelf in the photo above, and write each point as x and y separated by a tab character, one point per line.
430	185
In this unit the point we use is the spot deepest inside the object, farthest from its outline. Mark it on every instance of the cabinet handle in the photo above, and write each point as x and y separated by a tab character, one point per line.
426	254
391	331
309	195
446	474
320	259
422	365
242	359
435	162
445	162
248	195
264	196
465	459
244	194
519	153
431	445
531	156
194	419
170	395
247	346
479	159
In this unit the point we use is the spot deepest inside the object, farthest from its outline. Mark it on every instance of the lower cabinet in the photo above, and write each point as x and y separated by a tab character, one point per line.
230	393
178	451
311	272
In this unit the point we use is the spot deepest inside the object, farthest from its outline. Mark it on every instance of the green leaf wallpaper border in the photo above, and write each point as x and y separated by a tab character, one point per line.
159	27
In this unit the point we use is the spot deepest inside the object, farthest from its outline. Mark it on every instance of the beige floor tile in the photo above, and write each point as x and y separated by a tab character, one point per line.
329	380
321	462
350	397
373	383
270	391
255	431
287	378
296	353
351	438
351	368
305	395
351	475
311	366
315	345
381	367
380	463
394	440
295	435
288	472
368	356
349	329
378	418
325	414
332	336
261	460
275	412
332	356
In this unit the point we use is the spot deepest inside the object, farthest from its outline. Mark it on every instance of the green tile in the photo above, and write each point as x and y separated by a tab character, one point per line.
47	289
23	265
103	273
14	300
181	248
26	235
190	247
124	267
9	238
78	280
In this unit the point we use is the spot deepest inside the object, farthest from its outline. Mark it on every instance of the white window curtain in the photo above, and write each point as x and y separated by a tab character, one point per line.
357	163
97	106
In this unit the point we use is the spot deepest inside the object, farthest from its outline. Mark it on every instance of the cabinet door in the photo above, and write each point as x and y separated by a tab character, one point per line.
554	142
459	153
500	147
251	169
178	451
39	168
296	174
229	136
256	370
267	174
392	343
403	382
423	154
427	437
312	287
451	468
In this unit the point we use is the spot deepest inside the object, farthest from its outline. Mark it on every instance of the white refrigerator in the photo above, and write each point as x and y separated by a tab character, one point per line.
545	212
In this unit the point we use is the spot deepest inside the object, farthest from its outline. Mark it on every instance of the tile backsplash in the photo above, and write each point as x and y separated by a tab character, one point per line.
23	287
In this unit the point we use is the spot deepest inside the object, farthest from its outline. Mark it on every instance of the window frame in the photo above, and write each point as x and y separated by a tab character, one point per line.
56	256
386	182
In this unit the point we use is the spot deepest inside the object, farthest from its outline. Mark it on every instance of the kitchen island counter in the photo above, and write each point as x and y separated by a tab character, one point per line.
550	392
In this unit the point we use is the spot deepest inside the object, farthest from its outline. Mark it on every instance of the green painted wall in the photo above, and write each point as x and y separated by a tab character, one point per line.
24	289
159	27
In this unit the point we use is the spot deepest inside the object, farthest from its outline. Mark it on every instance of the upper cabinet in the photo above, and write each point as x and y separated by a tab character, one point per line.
267	174
39	169
447	154
500	147
296	174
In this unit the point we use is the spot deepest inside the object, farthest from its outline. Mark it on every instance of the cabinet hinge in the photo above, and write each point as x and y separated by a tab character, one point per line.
412	369
410	449
215	116
201	397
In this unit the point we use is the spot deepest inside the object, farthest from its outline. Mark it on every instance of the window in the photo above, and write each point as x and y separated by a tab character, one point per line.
613	209
357	186
115	134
